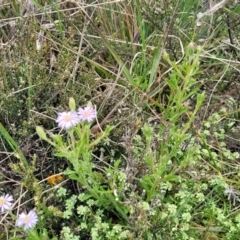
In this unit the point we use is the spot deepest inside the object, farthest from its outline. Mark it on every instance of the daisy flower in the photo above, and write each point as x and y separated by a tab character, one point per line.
5	202
27	220
87	114
67	120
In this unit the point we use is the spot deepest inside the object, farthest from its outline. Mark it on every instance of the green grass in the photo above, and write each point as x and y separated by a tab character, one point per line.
164	163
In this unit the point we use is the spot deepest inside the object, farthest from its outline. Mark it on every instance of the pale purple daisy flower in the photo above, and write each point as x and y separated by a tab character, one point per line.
67	120
5	202
87	114
27	220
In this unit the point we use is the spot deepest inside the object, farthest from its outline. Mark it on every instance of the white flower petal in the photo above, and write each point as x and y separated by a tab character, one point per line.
87	114
5	202
27	221
67	120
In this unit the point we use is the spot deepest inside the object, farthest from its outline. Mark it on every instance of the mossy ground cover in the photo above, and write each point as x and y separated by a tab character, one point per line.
161	161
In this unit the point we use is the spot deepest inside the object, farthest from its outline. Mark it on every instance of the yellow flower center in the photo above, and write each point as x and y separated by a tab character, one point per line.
86	113
26	219
2	201
67	118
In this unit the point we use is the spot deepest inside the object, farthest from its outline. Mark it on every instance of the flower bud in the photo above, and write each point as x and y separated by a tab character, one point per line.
41	133
72	104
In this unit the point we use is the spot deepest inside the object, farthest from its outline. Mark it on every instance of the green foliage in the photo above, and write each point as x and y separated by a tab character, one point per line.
13	145
91	222
77	149
35	235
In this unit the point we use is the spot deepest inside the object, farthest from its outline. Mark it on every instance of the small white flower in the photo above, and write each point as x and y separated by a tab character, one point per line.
87	114
67	120
5	202
27	220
